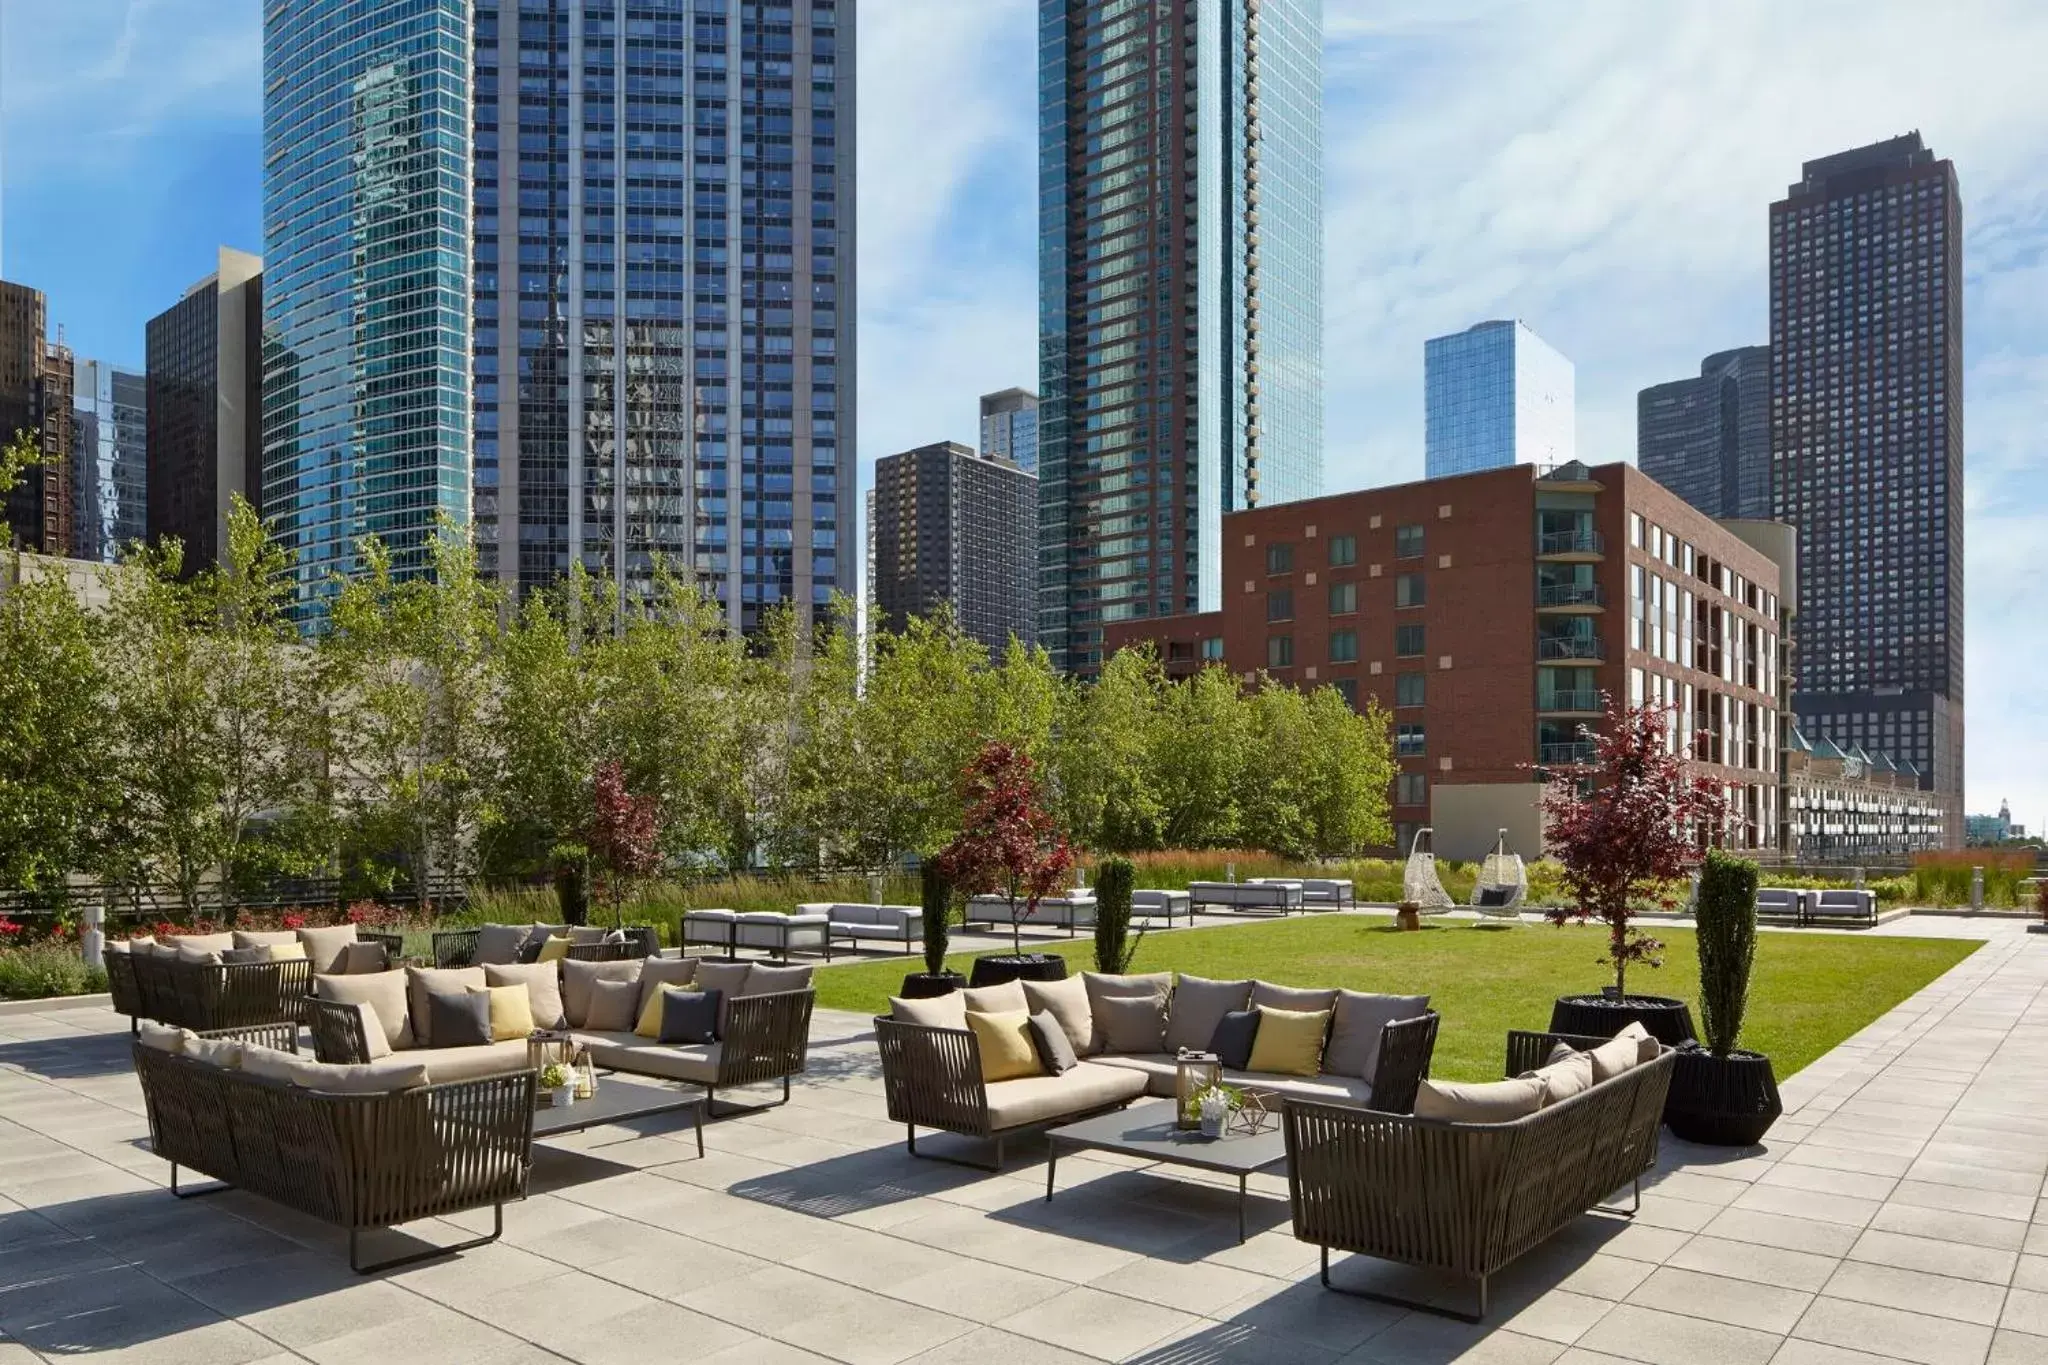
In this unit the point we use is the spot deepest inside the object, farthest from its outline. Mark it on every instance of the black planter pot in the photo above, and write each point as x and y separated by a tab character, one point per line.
1727	1101
1602	1016
926	985
997	968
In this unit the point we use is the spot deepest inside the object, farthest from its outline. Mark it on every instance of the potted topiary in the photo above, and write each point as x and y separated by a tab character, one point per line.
1623	826
1721	1095
1114	947
1008	845
936	897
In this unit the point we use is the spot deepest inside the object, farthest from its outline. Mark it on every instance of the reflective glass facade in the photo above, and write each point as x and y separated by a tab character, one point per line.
366	302
1494	395
109	470
664	241
1009	428
1180	323
1709	439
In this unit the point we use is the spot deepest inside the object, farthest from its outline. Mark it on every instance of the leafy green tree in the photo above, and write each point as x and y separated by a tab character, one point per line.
55	766
1197	748
1107	790
551	727
1275	785
21	454
1351	766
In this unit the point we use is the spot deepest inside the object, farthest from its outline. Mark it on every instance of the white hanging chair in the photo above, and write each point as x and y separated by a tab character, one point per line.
1420	886
1503	884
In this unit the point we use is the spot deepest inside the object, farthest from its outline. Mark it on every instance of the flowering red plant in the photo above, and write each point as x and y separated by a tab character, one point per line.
1008	842
292	919
622	836
1626	825
8	928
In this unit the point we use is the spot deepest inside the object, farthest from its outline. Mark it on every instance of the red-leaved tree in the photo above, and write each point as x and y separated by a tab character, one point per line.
621	836
1008	844
1627	825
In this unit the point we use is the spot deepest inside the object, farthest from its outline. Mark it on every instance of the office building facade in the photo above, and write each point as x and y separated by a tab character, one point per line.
366	427
1867	450
1843	805
37	377
1708	439
109	466
1408	595
205	407
950	526
1494	395
1180	312
664	295
1009	427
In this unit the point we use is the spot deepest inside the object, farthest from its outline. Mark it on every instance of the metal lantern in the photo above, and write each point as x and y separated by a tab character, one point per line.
1193	1073
545	1047
586	1074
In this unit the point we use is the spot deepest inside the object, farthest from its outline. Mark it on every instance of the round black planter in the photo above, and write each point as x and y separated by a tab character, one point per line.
926	985
1727	1101
997	968
1602	1016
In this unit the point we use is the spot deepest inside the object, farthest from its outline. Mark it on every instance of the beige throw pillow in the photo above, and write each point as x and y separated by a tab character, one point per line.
580	978
1007	998
383	992
1568	1073
1648	1049
940	1011
1102	986
612	1006
1066	1001
1613	1057
1132	1025
1489	1102
324	946
656	972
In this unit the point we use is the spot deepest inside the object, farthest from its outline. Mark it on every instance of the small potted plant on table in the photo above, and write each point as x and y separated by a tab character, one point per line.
1625	827
1008	845
936	897
1721	1095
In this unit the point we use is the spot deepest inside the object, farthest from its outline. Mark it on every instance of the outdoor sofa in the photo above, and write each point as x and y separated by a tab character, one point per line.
763	1033
1125	1033
1783	902
1073	911
1844	904
508	943
357	1147
1149	904
235	978
1471	1192
778	935
1264	897
1331	892
861	924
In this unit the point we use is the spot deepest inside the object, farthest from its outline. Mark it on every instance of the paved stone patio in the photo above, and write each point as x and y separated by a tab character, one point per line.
1896	1214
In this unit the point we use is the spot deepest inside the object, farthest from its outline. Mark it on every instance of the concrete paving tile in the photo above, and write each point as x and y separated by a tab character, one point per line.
980	1291
2031	1274
441	1338
1894	1332
1828	1180
1098	1324
1230	1343
2022	1184
1744	1303
1971	1229
1659	1338
1940	1296
1958	1199
1797	1352
1192	1287
2017	1348
1420	1339
2010	1154
1822	1208
2026	1310
1780	1230
1700	1189
988	1346
1310	1313
1767	1265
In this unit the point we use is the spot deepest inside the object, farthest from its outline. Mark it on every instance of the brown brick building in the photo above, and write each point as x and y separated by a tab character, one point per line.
35	398
1489	612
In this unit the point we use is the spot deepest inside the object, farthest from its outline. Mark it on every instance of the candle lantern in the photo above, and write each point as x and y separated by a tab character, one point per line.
1194	1072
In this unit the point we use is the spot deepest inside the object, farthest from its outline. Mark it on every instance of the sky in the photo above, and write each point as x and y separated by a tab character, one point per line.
1601	169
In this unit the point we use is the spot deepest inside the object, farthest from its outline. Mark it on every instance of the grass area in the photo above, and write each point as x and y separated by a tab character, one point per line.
1807	994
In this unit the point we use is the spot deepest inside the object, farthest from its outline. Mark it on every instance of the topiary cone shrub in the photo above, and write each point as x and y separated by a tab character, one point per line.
935	894
1113	949
1726	919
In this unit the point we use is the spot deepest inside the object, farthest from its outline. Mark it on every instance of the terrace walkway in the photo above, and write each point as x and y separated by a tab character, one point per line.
1896	1215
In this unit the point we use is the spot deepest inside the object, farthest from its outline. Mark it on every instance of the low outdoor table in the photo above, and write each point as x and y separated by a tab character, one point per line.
617	1101
1148	1131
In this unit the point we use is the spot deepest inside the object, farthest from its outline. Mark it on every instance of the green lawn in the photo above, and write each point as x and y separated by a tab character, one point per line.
1808	994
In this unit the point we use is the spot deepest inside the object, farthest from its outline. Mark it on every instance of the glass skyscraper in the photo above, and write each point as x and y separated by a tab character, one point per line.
366	297
1180	308
1709	439
109	469
1494	395
664	243
1009	428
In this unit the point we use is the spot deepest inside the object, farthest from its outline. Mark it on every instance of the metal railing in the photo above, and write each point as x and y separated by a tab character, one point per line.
1587	699
1576	751
1570	647
1568	595
1571	542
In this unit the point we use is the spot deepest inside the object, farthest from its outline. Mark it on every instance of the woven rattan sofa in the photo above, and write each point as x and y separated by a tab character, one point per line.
499	944
358	1161
149	980
932	1073
1469	1198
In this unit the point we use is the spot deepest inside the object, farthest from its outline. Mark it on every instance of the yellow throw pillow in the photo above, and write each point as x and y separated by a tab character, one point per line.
1007	1051
287	952
1289	1042
650	1015
554	950
511	1011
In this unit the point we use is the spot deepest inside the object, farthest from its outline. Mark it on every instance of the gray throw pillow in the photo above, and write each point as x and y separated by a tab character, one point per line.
459	1020
689	1016
1134	1025
613	1005
1300	999
1232	1041
498	944
231	957
1199	1004
1355	1026
1055	1051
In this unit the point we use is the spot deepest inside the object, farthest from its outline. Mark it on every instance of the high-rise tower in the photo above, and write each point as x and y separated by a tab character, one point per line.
1709	439
664	244
366	295
1494	395
109	471
205	407
1867	449
1180	312
1009	428
35	402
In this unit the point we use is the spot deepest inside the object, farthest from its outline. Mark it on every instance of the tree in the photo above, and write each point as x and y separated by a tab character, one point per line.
1196	748
622	836
56	784
1105	788
1008	843
552	731
21	454
1627	825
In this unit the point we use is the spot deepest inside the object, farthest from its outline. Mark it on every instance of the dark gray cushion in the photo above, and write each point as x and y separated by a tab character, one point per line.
1232	1041
459	1018
1131	1024
1055	1051
230	957
1199	1004
1355	1026
499	944
689	1016
1493	895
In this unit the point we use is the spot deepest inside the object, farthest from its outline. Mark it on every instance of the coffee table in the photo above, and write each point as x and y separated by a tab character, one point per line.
1148	1131
617	1101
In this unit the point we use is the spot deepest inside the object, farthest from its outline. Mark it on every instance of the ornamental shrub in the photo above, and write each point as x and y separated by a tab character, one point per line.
1726	916
1113	948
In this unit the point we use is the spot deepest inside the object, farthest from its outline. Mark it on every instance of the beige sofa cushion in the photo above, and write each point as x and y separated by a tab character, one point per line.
1159	1070
543	984
1199	1004
1040	1099
421	982
369	1078
940	1011
579	977
383	992
1007	998
1487	1102
656	972
693	1062
376	1043
221	1052
161	1037
468	1063
1131	1023
729	979
264	938
1568	1073
360	957
1102	986
205	943
1300	999
765	980
324	946
1067	1001
1326	1088
1354	1047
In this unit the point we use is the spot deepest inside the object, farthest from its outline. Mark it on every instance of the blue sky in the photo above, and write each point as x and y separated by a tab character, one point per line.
1601	169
